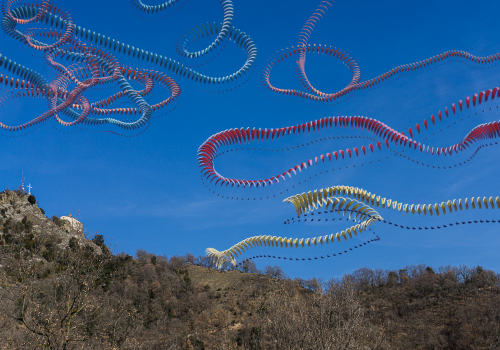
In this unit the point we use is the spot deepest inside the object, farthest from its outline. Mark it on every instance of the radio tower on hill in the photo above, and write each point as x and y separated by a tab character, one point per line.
22	181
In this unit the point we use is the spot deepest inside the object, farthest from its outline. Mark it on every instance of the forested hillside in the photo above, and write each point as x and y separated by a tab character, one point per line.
62	291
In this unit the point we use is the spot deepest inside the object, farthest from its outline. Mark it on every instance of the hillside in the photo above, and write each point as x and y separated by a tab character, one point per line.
64	291
247	283
20	217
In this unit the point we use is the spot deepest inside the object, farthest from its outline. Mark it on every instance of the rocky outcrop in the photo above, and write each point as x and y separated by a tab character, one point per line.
18	216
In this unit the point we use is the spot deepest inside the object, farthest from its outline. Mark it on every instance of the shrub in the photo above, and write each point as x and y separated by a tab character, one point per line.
29	242
255	334
27	224
200	344
57	221
98	240
7	237
73	243
32	199
52	241
239	340
48	255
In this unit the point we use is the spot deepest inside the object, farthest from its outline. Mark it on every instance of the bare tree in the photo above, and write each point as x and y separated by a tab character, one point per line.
249	266
334	319
275	272
54	301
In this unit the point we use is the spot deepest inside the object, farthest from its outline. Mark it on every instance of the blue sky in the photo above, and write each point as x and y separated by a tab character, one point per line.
145	191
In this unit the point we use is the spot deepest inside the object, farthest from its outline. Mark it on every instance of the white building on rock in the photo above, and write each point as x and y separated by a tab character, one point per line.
72	225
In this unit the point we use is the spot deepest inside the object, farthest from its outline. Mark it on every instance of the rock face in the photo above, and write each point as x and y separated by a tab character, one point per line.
15	205
19	216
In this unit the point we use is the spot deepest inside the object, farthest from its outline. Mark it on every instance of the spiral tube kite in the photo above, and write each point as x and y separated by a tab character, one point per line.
358	205
386	135
303	48
376	239
307	202
95	65
365	214
92	62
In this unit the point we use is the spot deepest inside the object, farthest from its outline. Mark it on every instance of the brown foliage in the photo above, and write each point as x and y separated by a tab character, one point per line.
90	300
77	296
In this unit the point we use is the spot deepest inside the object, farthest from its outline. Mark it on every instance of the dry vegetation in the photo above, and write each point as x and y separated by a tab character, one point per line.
80	296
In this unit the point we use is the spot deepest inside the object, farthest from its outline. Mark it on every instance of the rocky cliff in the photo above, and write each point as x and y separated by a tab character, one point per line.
20	215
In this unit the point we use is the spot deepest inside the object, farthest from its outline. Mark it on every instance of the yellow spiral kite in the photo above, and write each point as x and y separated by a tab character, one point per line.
358	205
364	213
307	202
